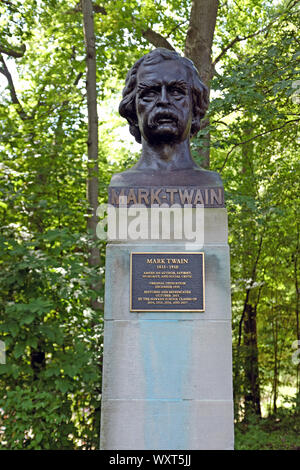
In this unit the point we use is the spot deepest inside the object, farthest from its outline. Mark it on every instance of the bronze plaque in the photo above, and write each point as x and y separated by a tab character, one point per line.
167	281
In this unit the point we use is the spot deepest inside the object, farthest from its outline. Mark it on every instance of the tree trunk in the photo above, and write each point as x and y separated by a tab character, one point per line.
297	289
92	181
276	371
198	48
200	35
252	391
250	256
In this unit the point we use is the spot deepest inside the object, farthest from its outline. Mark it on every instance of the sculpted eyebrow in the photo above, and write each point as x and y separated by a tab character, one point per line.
180	83
144	85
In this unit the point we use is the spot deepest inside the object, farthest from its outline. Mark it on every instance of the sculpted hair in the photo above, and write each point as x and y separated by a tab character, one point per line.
199	91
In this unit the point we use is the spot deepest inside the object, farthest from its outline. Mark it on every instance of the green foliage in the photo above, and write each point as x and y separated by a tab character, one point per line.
254	122
53	343
51	382
280	432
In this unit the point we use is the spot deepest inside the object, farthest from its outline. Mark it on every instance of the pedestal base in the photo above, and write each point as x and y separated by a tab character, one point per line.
167	376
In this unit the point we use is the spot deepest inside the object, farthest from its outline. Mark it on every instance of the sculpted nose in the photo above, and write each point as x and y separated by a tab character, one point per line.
163	97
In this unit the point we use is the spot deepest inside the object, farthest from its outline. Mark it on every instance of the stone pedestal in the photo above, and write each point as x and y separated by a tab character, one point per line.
167	376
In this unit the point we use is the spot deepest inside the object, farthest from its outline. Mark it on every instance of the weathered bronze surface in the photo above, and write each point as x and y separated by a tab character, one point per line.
164	101
167	282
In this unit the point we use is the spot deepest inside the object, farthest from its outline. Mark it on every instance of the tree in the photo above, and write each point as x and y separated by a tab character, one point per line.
93	168
52	336
263	122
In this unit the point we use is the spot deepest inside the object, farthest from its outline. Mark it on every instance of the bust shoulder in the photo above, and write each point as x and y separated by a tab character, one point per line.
183	177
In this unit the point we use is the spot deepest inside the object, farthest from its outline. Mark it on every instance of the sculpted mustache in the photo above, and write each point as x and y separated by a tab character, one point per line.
156	115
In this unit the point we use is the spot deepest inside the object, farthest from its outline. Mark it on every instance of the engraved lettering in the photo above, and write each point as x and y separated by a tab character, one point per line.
177	260
131	196
115	196
198	197
206	192
208	197
143	194
217	197
186	196
154	196
172	192
155	260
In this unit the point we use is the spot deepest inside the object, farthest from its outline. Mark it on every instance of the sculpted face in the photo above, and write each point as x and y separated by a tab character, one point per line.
163	102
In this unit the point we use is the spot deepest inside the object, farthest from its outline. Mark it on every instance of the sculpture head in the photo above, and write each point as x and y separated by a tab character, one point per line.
164	98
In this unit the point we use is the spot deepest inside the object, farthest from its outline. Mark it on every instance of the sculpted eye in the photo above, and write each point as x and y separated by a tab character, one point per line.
148	94
177	92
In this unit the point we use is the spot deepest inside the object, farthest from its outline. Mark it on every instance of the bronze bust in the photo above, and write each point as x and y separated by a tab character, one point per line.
163	102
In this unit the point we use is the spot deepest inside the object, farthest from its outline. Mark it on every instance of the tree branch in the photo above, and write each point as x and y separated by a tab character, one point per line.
10	5
152	36
96	9
176	27
238	39
255	137
13	52
99	9
249	36
14	98
157	39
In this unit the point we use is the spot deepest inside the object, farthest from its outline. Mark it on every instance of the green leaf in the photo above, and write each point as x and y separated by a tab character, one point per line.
19	349
62	385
